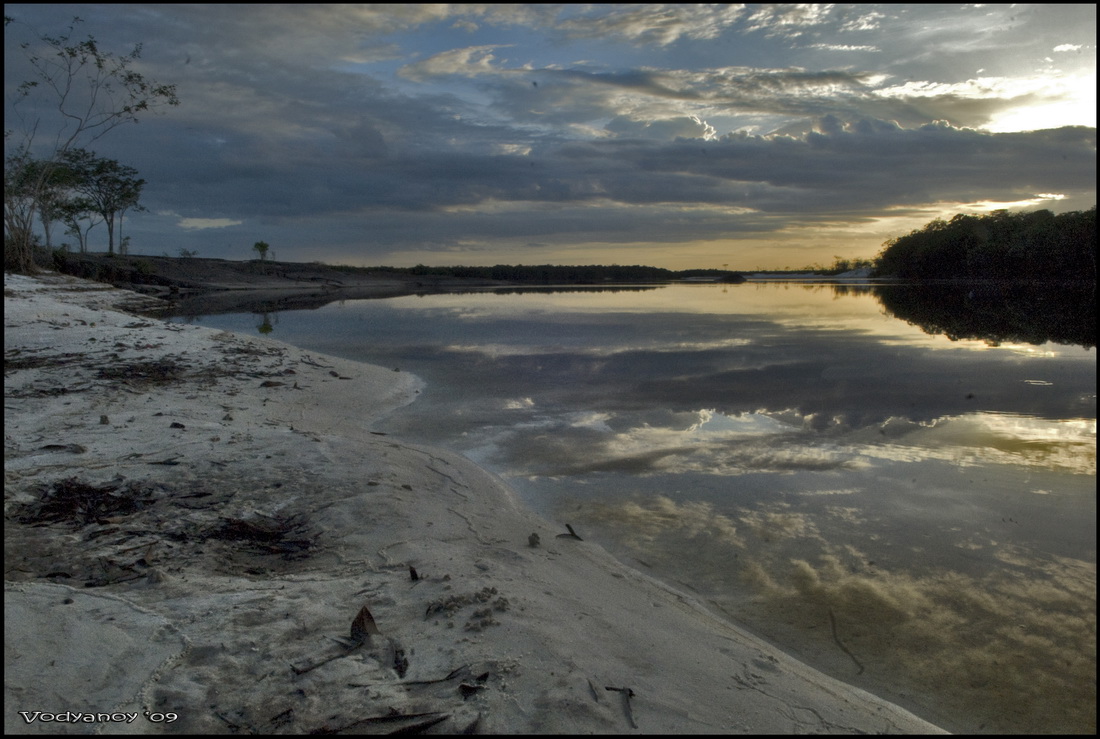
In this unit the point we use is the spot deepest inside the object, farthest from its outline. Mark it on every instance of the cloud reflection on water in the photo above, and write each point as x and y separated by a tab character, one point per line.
713	443
742	364
1011	646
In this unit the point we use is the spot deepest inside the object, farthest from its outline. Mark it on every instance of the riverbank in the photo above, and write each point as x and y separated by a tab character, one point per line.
203	532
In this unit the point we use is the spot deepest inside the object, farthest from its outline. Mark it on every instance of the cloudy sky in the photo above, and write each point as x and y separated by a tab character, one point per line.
672	135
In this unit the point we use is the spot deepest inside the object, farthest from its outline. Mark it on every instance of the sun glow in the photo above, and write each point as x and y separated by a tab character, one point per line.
1072	102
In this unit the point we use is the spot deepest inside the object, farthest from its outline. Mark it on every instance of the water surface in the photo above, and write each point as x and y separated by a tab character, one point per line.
910	513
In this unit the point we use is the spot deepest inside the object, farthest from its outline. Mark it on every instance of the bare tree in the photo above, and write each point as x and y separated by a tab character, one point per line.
79	92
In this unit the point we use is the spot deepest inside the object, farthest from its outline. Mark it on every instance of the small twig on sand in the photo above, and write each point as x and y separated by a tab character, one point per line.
832	622
627	694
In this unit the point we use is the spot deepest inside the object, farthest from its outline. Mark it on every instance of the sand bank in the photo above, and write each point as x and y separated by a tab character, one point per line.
195	518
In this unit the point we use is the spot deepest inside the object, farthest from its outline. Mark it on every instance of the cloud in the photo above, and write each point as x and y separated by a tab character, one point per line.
469	62
788	20
198	224
845	47
657	24
663	130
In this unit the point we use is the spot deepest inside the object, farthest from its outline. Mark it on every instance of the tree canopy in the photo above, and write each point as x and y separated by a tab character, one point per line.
1037	245
104	187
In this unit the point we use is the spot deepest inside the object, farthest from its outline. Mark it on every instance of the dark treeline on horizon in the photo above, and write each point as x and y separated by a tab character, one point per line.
551	273
999	246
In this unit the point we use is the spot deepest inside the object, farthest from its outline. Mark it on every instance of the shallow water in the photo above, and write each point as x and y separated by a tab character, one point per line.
910	513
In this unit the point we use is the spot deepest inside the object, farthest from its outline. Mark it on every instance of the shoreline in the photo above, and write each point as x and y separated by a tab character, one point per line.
264	514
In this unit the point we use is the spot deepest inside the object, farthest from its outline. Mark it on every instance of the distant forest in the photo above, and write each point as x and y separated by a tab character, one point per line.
551	274
1000	246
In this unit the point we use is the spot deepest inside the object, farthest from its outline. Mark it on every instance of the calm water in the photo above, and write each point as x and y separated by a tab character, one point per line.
794	455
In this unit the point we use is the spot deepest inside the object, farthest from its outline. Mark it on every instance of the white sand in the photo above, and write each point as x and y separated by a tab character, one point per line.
229	635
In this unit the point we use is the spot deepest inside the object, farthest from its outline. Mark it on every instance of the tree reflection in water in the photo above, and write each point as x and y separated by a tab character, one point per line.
1021	312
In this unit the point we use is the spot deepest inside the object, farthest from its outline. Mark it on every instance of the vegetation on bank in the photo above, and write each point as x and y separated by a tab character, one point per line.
552	274
590	274
1038	245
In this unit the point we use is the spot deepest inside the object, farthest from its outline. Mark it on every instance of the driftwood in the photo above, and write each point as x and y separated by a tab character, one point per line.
401	723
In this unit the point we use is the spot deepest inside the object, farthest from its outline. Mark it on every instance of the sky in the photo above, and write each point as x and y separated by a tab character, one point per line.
678	136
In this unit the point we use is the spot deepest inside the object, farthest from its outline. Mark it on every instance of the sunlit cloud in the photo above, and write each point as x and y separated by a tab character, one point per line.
657	24
989	206
1018	104
844	47
469	62
206	223
1076	108
788	20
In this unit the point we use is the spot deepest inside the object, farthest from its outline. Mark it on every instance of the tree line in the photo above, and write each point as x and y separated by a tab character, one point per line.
1037	245
551	274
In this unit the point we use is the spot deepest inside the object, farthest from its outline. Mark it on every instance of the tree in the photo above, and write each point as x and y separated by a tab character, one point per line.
55	198
22	186
75	213
261	248
109	187
80	92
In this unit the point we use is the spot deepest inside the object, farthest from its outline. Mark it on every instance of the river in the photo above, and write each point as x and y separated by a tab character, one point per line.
912	513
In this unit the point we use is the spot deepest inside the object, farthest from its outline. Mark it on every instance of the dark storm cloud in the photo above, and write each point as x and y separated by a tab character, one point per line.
858	168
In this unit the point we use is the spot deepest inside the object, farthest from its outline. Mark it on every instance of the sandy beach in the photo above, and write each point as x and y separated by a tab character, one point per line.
203	534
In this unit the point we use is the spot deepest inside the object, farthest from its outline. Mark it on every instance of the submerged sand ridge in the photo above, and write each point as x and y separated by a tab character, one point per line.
194	519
